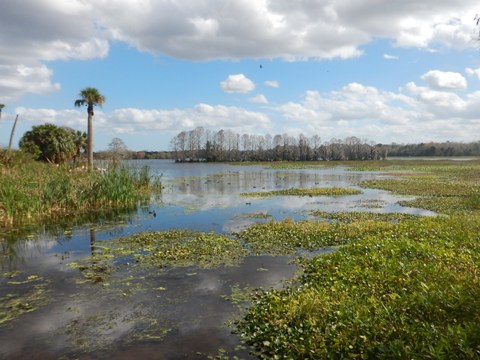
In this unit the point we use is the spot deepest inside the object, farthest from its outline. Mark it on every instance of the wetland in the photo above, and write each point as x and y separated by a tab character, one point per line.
255	261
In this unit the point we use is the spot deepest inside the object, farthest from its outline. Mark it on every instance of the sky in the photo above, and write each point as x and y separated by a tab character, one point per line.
385	71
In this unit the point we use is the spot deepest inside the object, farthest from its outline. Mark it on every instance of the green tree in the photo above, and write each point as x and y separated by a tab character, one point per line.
49	143
90	97
81	140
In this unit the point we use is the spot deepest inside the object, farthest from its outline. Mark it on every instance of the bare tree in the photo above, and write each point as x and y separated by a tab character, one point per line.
117	150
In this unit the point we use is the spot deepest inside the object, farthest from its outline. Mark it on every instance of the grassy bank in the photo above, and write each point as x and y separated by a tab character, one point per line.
398	287
32	190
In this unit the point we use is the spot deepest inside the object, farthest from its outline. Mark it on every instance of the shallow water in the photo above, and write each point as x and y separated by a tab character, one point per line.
170	313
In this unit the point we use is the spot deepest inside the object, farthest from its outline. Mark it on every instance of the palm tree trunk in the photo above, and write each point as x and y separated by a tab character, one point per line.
90	138
12	134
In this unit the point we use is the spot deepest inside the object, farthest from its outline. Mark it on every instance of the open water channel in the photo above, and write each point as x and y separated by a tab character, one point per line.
151	313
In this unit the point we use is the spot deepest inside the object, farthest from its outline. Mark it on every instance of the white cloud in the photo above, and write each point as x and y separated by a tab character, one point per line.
259	99
414	114
37	31
34	32
272	83
142	121
473	72
390	57
237	83
419	115
15	80
71	118
444	80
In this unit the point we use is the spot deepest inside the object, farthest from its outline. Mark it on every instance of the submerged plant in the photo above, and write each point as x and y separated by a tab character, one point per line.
24	294
165	249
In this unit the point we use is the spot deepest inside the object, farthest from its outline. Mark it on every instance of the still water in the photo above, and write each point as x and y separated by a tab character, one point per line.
169	313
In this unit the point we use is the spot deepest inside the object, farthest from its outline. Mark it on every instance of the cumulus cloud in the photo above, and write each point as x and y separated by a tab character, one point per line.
34	32
259	99
15	80
237	83
291	30
272	83
141	121
37	31
414	115
444	80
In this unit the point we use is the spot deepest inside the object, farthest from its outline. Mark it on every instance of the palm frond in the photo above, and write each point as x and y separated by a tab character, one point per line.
80	102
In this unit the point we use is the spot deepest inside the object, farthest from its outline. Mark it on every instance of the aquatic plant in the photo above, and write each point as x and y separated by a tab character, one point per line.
409	291
162	250
400	286
287	236
24	294
355	216
332	191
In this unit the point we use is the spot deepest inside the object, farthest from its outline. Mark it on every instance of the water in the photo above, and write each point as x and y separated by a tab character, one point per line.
178	313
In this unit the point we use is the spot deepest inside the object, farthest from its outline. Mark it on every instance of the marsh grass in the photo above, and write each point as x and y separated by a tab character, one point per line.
36	190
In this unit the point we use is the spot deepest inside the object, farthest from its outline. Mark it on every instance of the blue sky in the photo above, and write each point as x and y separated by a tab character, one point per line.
393	71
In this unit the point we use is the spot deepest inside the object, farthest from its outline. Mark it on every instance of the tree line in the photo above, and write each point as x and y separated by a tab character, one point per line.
225	145
435	149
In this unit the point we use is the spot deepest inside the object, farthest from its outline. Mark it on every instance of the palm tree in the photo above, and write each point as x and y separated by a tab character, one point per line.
90	97
81	140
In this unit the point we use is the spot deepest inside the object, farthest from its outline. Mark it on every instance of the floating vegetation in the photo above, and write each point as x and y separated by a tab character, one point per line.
256	215
95	270
370	203
401	286
332	191
445	165
179	248
355	216
240	297
441	196
173	248
24	294
287	236
411	290
294	165
99	331
425	187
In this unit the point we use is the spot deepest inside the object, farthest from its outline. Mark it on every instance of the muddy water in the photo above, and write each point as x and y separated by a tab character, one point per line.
151	313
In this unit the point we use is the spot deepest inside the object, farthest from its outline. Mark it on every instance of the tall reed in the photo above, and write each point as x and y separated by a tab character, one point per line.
32	190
